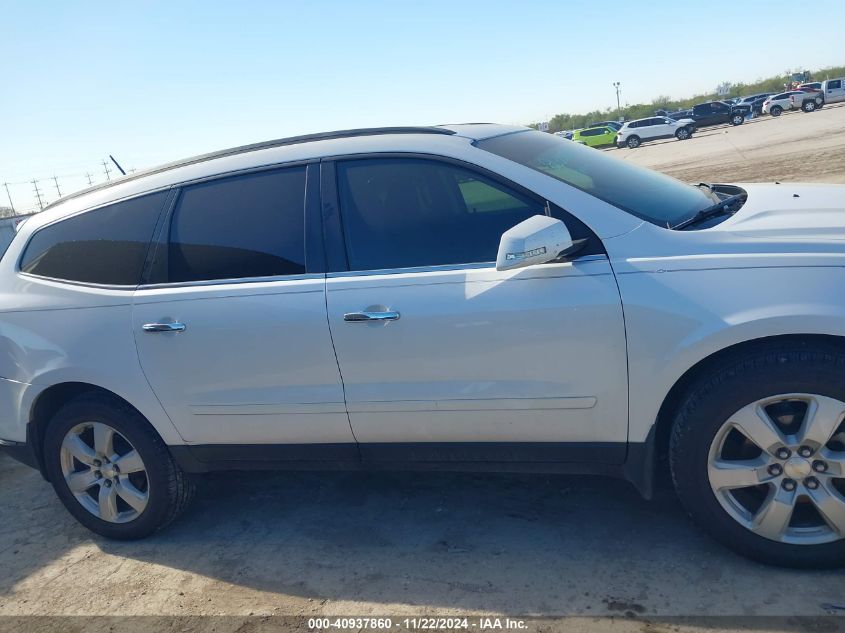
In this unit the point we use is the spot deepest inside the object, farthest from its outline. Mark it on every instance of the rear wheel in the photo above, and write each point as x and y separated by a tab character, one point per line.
808	106
682	134
758	456
737	119
776	111
633	142
111	470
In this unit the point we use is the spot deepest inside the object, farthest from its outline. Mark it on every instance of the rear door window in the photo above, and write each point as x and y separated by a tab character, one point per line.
235	228
103	246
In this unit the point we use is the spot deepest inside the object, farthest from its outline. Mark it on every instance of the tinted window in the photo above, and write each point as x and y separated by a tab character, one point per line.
104	246
644	193
401	213
247	226
832	85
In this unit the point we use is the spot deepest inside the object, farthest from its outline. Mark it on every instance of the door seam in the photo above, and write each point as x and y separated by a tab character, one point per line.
337	362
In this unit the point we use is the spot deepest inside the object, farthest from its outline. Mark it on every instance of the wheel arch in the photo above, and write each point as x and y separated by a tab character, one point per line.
48	402
673	399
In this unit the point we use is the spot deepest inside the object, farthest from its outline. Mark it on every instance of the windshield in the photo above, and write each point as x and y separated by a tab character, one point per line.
650	195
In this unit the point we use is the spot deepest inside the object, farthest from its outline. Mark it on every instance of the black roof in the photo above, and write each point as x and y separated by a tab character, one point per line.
243	149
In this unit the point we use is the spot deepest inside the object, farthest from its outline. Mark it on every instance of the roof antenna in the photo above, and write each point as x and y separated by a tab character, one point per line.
117	164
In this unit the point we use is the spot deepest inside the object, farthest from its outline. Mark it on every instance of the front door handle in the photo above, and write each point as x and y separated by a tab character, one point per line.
163	327
359	317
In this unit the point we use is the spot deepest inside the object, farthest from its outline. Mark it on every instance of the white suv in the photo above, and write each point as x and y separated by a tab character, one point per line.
635	133
459	297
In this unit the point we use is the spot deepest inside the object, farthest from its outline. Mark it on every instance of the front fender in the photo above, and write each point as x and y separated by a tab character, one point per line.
676	319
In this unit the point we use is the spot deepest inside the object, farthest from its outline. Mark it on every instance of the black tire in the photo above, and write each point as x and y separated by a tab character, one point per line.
776	111
683	134
718	394
737	119
633	142
170	489
809	106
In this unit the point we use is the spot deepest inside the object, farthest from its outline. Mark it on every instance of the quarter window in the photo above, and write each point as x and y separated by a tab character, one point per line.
104	246
240	227
406	212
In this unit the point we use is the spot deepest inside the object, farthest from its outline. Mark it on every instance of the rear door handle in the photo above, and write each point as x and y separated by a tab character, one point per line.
163	327
358	317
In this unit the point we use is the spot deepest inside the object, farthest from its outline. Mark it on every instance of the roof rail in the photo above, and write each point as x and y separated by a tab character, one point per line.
243	149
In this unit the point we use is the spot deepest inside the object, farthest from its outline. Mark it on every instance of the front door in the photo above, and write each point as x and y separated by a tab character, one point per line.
445	359
233	336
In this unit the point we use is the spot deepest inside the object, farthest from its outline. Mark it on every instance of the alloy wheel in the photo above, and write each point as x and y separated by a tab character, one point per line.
777	467
104	472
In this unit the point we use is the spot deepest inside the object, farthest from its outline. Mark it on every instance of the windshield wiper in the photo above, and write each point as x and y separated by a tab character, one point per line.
711	211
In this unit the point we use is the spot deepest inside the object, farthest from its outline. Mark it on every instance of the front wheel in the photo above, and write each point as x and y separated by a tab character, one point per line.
737	119
111	470
808	106
682	134
776	111
757	454
633	142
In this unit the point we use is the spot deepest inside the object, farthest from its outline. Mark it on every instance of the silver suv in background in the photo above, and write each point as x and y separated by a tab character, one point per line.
635	133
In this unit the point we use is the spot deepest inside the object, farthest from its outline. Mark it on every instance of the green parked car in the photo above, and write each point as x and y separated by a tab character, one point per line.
595	136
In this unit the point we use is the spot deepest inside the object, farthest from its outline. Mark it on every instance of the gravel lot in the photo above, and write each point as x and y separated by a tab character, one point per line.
266	544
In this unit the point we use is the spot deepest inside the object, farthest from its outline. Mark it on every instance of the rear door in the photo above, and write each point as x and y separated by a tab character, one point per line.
231	325
654	128
462	362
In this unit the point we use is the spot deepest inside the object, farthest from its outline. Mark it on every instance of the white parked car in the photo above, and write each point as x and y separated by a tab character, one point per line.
776	104
458	297
635	133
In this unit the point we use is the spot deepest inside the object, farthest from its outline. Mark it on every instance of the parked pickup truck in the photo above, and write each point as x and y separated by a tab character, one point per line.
718	112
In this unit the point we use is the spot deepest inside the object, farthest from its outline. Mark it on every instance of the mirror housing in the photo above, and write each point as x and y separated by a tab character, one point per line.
537	240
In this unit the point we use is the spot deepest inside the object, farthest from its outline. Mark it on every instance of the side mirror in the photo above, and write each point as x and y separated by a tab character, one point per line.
537	240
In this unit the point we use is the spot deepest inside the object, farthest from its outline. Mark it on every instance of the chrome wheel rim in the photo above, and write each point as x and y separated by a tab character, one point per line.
777	467
104	472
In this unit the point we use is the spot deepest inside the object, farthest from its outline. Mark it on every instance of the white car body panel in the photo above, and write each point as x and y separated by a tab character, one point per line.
254	366
752	276
53	332
485	355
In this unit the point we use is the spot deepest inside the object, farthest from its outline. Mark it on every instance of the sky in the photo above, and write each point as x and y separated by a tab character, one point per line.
151	82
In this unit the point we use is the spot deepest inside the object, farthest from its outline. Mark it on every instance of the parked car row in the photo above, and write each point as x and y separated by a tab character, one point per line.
683	123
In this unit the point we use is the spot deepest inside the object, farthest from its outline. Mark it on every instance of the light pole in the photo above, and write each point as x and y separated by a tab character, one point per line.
617	85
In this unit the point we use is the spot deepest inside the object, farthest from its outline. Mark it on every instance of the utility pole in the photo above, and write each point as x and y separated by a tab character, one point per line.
90	182
56	180
38	195
108	171
11	204
617	85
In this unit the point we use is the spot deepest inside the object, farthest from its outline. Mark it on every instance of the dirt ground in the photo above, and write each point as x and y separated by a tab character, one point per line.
257	545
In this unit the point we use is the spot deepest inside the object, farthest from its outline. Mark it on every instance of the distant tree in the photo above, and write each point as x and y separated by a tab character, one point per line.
6	212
